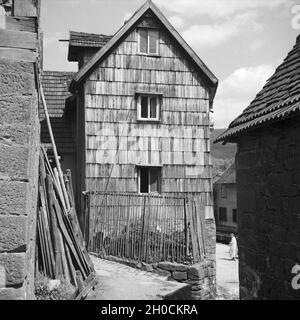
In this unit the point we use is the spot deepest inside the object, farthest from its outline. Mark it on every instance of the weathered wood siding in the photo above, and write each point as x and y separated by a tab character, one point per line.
180	143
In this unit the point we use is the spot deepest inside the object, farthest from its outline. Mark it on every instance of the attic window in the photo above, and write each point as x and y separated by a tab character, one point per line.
148	107
148	41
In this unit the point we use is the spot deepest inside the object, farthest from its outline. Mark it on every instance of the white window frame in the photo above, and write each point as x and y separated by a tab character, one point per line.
148	38
139	107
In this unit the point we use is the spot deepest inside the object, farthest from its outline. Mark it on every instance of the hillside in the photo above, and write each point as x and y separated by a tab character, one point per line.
222	155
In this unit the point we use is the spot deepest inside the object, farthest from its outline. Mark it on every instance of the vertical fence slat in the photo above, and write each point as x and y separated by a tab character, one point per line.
146	228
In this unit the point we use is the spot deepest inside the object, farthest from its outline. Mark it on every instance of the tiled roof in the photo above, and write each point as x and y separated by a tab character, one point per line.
228	176
82	39
55	86
278	100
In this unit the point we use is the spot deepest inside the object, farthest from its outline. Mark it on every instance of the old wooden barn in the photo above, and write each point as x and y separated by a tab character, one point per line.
137	118
143	109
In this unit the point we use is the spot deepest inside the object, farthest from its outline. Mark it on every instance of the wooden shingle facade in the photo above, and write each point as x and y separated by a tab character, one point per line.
143	112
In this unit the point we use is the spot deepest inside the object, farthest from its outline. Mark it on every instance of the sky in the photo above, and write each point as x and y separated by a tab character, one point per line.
241	41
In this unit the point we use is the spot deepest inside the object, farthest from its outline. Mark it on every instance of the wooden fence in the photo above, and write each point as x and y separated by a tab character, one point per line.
145	228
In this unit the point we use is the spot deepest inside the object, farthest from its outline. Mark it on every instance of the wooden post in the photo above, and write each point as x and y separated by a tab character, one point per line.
142	231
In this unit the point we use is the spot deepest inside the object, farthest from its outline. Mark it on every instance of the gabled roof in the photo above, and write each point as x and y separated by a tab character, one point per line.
80	40
55	87
278	100
228	177
148	6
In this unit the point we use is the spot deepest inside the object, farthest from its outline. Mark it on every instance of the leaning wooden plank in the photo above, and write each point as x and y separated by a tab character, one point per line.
79	237
77	246
59	188
18	39
41	243
56	245
46	230
64	260
48	269
88	285
53	145
71	266
66	235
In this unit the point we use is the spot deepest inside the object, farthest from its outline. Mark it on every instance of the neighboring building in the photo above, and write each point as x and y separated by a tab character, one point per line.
143	110
60	106
225	204
268	185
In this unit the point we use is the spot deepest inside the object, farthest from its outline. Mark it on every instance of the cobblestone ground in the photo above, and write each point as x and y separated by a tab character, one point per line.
227	275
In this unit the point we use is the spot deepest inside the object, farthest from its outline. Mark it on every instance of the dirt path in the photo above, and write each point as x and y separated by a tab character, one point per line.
120	282
227	274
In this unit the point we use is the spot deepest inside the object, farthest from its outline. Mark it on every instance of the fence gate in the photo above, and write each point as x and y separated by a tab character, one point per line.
145	228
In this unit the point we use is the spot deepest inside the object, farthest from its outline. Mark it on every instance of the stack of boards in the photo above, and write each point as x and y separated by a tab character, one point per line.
61	252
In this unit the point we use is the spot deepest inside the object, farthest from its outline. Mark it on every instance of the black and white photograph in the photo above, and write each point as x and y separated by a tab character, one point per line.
149	151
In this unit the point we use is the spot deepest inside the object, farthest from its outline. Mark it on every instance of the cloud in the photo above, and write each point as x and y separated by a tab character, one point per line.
211	35
237	91
219	8
256	44
177	22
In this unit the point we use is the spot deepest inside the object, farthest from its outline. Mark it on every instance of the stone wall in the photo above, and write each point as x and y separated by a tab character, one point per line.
268	201
200	276
19	146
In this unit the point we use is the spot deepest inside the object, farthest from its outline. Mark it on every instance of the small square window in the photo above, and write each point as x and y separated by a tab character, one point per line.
148	41
149	180
223	214
148	107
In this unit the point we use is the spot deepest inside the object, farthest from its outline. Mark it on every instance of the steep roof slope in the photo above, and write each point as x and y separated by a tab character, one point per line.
55	86
278	100
147	7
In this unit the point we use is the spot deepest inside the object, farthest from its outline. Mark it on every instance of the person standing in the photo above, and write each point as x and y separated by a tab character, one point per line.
233	247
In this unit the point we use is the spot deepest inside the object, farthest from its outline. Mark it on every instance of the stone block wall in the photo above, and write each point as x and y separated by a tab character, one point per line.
200	276
19	149
268	202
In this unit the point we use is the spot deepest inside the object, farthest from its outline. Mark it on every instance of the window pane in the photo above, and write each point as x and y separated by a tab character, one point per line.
144	180
234	215
223	214
153	104
144	107
153	41
143	40
155	174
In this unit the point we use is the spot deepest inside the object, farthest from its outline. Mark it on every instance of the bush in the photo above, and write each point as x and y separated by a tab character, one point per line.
43	292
